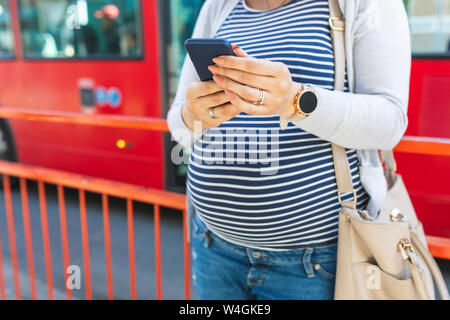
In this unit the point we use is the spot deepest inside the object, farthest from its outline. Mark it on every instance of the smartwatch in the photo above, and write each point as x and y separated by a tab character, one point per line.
305	103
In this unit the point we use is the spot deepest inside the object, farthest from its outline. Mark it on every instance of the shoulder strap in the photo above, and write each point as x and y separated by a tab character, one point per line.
337	25
341	165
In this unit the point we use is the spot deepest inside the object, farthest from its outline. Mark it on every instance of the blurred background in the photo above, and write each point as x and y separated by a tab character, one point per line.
124	57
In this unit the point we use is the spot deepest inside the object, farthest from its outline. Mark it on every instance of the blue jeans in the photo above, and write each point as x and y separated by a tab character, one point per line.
225	271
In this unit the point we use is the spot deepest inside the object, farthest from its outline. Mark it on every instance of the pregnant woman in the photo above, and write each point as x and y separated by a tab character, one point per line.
261	182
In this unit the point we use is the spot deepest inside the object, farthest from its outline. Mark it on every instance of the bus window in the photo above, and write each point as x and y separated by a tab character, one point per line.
430	26
81	28
182	17
6	35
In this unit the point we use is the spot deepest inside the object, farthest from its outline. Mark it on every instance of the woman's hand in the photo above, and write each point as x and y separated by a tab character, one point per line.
201	97
243	77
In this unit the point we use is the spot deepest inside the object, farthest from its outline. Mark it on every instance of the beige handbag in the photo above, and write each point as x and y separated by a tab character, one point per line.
382	257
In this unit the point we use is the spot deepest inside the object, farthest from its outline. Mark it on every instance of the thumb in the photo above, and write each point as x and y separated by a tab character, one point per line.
239	52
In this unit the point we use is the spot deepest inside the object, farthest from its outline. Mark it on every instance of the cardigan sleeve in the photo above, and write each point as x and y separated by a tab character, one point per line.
374	116
180	132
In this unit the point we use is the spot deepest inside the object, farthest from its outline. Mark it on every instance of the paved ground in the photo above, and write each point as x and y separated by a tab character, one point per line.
172	249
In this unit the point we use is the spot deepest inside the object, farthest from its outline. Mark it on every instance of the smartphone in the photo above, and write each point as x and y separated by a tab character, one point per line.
203	51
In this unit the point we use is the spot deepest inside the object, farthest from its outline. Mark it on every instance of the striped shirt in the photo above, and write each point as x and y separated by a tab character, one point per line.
253	184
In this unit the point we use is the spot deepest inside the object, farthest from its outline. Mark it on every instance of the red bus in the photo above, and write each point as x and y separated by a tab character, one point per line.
96	56
123	57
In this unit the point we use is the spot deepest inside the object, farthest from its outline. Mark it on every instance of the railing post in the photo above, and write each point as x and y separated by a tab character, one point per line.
28	237
64	238
131	250
158	260
107	240
85	240
12	235
2	274
46	239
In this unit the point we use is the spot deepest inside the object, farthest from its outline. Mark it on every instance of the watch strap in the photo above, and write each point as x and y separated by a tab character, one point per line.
283	123
298	115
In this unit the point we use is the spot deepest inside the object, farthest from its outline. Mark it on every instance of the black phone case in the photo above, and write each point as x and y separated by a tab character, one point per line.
203	51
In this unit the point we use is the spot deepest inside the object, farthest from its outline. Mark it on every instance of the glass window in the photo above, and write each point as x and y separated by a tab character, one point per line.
6	35
430	26
182	18
81	28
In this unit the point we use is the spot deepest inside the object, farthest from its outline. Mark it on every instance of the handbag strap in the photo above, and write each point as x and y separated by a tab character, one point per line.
342	167
337	25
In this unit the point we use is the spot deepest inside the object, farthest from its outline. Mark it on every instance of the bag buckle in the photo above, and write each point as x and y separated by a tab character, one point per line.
333	24
397	216
354	202
406	249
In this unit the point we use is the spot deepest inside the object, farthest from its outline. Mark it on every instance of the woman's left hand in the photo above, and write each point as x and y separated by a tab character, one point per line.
243	77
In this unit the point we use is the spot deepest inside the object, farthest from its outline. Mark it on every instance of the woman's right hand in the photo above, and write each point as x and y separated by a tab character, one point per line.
201	97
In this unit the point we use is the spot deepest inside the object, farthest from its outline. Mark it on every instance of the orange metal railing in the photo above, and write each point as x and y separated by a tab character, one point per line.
131	193
439	247
424	145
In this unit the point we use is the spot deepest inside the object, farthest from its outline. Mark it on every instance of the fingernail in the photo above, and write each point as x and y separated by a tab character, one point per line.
219	61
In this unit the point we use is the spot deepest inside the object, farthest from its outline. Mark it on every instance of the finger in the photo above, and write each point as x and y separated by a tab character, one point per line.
222	113
213	100
239	52
226	112
254	80
248	108
245	92
248	64
199	89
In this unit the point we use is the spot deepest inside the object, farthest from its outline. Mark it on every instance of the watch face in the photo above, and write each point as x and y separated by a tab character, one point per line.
308	102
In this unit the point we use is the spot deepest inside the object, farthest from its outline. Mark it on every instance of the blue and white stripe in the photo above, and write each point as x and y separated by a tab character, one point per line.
257	186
